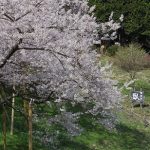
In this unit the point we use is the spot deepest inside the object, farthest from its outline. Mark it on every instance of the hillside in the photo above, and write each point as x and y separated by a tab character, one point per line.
131	132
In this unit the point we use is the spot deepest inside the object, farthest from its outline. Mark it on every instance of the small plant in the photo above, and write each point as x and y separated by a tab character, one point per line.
131	59
111	51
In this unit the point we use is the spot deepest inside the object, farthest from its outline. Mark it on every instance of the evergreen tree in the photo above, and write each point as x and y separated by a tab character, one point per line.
136	17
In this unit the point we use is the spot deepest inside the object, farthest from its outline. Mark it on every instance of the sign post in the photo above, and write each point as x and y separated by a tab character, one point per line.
137	98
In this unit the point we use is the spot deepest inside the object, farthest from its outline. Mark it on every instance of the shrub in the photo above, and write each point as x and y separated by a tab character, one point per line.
112	50
131	59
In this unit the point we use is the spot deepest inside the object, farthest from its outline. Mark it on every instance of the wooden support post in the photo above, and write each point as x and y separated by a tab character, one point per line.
30	125
12	114
4	128
132	103
141	105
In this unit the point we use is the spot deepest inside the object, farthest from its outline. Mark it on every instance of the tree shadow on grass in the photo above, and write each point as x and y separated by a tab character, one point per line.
73	145
19	141
132	139
124	138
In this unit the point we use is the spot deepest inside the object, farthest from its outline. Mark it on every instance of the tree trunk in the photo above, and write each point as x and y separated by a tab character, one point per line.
30	126
12	114
26	111
2	98
4	128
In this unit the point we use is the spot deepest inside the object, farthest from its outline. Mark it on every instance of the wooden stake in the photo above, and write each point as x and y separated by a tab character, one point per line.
30	125
12	115
4	128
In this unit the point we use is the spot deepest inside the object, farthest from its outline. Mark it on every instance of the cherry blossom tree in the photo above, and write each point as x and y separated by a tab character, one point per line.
48	46
109	29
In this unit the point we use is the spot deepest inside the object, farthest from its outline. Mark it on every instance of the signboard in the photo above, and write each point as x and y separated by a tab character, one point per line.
137	97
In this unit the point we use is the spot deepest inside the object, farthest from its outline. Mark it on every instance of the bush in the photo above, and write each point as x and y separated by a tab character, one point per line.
111	51
131	59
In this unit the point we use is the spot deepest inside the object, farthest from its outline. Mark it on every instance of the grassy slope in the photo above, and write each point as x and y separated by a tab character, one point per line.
130	134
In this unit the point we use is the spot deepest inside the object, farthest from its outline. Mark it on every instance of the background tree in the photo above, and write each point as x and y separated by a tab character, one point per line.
136	17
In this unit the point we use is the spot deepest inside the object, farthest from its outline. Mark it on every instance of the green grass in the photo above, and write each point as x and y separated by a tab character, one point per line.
15	142
131	132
